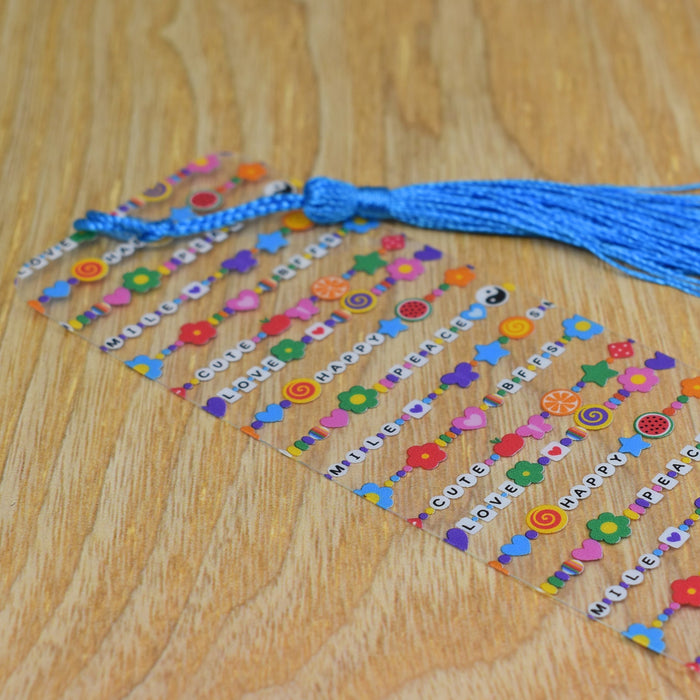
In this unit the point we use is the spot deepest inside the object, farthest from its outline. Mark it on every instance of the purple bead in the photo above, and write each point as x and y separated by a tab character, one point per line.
640	569
158	313
390	281
187	386
432	396
697	503
401	473
285	403
531	535
228	310
392	378
43	299
672	474
544	461
689	522
257	424
73	280
456	431
561	576
139	324
363	449
175	262
306	339
423	353
624	392
580	385
330	323
545	414
345	462
211	279
381	436
559	343
642	502
504	559
308	440
328	476
423	516
566	441
624	585
607	601
669	611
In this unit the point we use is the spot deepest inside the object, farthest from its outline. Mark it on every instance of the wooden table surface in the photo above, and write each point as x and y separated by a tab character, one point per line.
129	566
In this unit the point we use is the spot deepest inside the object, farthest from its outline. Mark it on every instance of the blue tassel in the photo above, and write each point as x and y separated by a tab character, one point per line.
650	234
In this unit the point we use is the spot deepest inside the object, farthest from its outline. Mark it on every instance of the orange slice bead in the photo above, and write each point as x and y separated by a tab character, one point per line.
560	402
330	288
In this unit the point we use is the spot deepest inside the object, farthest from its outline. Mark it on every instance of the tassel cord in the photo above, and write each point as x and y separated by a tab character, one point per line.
647	233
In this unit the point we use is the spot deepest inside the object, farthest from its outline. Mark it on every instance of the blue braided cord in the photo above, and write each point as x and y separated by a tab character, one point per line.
650	234
124	227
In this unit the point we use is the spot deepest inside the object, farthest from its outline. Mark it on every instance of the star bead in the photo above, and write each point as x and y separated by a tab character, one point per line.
598	373
369	263
271	242
392	328
490	353
633	445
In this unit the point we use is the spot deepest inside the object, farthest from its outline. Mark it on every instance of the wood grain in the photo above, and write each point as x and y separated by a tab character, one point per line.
150	552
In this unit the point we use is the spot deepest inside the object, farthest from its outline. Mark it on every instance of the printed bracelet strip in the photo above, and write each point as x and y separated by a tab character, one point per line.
358	399
559	402
549	519
684	592
353	302
428	456
80	237
671	538
246	300
95	269
201	332
611	529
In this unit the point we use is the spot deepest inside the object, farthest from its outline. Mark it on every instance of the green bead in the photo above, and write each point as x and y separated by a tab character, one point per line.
516	380
503	340
566	338
444	286
301	445
447	439
558	583
83	319
682	398
276	278
444	387
81	236
501	392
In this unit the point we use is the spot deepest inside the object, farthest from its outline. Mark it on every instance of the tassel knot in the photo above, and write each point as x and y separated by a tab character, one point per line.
328	201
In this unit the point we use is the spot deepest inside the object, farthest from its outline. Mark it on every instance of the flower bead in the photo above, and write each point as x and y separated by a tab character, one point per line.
357	399
649	637
687	591
141	280
609	528
405	269
579	327
636	379
287	350
426	456
379	495
459	277
252	172
526	473
197	333
691	387
150	367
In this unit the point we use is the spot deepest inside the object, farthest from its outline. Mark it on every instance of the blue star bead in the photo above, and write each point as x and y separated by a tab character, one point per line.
392	328
271	242
181	213
490	353
633	445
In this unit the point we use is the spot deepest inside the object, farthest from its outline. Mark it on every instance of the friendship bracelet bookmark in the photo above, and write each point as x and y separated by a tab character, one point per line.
516	431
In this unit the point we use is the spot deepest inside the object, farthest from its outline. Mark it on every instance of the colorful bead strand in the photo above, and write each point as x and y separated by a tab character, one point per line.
669	539
523	473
